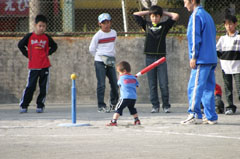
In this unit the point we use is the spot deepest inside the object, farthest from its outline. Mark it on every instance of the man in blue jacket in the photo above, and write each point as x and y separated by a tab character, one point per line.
201	34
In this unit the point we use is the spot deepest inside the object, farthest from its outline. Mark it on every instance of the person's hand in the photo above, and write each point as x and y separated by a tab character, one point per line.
193	63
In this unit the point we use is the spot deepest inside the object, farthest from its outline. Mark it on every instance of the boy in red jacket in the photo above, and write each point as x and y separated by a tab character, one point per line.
37	46
219	105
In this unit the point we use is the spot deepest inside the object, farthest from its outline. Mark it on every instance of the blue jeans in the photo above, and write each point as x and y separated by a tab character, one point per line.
101	72
158	74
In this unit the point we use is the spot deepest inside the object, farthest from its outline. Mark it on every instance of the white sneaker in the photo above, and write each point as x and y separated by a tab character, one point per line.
210	122
103	110
229	112
155	110
191	120
166	110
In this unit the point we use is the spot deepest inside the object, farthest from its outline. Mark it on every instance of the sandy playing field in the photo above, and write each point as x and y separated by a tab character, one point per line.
39	136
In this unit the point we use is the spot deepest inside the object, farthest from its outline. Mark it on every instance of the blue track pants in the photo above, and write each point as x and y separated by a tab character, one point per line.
201	89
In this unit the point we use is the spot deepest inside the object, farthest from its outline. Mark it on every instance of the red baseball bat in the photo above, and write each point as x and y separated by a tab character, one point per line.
150	67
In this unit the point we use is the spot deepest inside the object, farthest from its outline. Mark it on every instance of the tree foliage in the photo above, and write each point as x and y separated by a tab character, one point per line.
176	3
211	5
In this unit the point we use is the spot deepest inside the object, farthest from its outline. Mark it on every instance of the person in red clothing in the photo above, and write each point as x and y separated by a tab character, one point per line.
37	46
218	90
219	105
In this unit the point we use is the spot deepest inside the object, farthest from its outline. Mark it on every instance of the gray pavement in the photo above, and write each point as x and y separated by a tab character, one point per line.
39	136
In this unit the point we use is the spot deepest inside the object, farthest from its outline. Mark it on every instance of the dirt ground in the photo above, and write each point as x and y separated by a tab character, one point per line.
40	136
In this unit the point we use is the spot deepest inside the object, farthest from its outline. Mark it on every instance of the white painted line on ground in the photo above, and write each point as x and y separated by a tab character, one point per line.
13	127
147	131
71	136
192	134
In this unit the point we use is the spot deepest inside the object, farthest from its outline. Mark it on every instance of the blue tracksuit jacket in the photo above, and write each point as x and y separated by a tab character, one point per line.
201	36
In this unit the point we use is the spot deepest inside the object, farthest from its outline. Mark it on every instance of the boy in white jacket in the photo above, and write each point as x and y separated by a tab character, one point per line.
102	47
228	50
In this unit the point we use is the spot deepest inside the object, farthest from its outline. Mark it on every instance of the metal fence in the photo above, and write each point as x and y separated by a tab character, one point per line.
79	17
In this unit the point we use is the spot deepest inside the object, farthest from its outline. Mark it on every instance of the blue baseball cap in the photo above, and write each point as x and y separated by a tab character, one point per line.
104	16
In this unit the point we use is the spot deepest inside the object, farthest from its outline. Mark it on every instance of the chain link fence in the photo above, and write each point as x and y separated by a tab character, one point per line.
79	17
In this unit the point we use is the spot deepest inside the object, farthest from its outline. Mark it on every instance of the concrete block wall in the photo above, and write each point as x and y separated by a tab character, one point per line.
72	56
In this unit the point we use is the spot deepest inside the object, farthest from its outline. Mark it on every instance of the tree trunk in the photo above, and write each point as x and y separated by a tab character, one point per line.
34	9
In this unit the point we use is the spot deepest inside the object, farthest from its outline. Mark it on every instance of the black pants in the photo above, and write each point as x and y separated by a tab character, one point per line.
219	105
228	84
123	103
34	76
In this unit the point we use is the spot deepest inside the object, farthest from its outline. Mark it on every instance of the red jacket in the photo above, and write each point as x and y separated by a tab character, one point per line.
39	47
218	90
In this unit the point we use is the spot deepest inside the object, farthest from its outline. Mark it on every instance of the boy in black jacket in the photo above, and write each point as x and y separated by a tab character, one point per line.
155	48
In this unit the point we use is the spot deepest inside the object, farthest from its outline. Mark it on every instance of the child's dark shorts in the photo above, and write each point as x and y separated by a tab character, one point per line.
130	103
